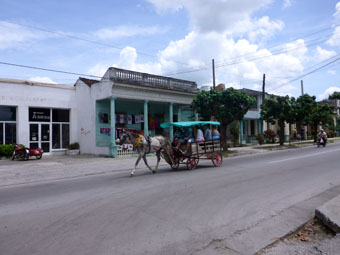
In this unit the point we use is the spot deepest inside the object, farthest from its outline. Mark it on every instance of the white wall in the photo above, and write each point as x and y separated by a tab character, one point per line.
29	94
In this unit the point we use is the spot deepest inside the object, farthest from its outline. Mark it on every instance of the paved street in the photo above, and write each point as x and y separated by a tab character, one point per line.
238	208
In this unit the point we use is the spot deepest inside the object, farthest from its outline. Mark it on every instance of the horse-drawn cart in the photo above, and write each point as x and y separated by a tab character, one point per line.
207	150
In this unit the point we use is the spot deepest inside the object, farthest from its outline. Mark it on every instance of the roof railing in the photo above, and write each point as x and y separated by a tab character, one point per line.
132	77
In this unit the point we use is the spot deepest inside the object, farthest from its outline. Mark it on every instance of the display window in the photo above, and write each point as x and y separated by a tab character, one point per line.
49	128
8	126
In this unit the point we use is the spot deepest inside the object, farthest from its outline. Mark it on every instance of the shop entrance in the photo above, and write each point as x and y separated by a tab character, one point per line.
40	136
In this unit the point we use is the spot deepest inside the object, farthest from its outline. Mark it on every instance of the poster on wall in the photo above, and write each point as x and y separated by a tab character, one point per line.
129	119
105	131
103	117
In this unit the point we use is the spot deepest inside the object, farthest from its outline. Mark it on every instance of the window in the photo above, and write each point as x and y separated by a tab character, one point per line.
1	133
60	129
10	133
8	130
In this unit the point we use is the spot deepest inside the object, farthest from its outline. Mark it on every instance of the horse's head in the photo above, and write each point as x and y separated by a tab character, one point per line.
125	138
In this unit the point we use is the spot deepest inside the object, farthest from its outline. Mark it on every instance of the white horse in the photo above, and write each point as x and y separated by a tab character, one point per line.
144	146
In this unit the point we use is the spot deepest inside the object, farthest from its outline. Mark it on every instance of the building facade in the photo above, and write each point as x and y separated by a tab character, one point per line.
92	112
37	115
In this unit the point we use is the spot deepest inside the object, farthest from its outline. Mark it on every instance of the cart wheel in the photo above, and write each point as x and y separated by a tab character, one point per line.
217	159
175	165
191	163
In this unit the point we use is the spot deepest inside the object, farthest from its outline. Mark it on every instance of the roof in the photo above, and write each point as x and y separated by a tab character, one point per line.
189	124
34	83
88	82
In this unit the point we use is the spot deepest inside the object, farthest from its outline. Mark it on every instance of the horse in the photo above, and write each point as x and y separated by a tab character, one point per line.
158	144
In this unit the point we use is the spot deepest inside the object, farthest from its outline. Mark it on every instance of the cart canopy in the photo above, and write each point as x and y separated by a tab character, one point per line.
189	124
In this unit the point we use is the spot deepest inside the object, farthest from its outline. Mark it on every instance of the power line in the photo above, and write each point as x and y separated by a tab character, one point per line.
83	39
276	52
252	59
195	69
311	72
308	68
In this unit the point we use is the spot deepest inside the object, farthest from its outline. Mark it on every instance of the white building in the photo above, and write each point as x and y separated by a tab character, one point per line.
52	116
37	114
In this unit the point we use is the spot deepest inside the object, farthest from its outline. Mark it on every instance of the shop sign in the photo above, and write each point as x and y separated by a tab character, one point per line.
39	114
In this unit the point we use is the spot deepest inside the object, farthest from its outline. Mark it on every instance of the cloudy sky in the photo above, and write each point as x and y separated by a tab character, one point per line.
288	40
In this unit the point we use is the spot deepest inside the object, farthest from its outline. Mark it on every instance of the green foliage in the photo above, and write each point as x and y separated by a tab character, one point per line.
224	106
260	138
320	115
6	150
73	146
303	107
335	95
280	109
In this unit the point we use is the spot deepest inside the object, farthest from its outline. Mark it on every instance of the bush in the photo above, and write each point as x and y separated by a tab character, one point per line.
269	135
73	146
6	150
330	133
260	138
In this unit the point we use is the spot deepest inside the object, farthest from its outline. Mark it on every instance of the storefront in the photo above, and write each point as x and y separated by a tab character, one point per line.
38	115
129	100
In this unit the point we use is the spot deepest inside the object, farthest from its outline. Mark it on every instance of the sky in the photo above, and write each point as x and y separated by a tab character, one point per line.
287	40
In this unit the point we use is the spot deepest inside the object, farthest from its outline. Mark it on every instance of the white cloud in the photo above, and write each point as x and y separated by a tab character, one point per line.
331	72
337	11
322	54
127	31
328	92
287	3
98	69
14	36
257	29
212	15
335	38
42	79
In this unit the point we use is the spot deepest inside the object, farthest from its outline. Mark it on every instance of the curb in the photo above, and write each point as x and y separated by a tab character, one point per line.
329	214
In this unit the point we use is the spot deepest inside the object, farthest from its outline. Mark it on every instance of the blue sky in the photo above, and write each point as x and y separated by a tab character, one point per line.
285	39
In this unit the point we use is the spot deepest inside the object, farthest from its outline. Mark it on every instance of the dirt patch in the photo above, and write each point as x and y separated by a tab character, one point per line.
312	238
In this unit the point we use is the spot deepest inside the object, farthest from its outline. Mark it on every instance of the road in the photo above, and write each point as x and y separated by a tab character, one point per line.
238	208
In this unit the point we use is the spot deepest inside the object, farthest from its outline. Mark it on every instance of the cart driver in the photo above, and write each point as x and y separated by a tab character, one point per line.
188	138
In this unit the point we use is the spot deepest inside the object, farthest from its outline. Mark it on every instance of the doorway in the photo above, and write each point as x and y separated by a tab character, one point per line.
40	136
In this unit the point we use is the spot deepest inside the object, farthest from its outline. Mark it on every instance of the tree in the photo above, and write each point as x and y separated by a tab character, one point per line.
280	109
320	115
302	109
335	95
225	106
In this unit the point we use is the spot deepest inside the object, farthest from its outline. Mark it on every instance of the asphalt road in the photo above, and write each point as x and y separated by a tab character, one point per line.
238	208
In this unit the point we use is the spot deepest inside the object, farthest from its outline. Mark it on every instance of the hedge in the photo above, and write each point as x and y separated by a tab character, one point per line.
6	150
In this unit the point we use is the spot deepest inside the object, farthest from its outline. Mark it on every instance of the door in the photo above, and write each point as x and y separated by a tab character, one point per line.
40	136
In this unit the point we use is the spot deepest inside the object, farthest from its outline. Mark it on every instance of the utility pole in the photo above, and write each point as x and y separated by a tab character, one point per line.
302	87
263	95
213	69
263	87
